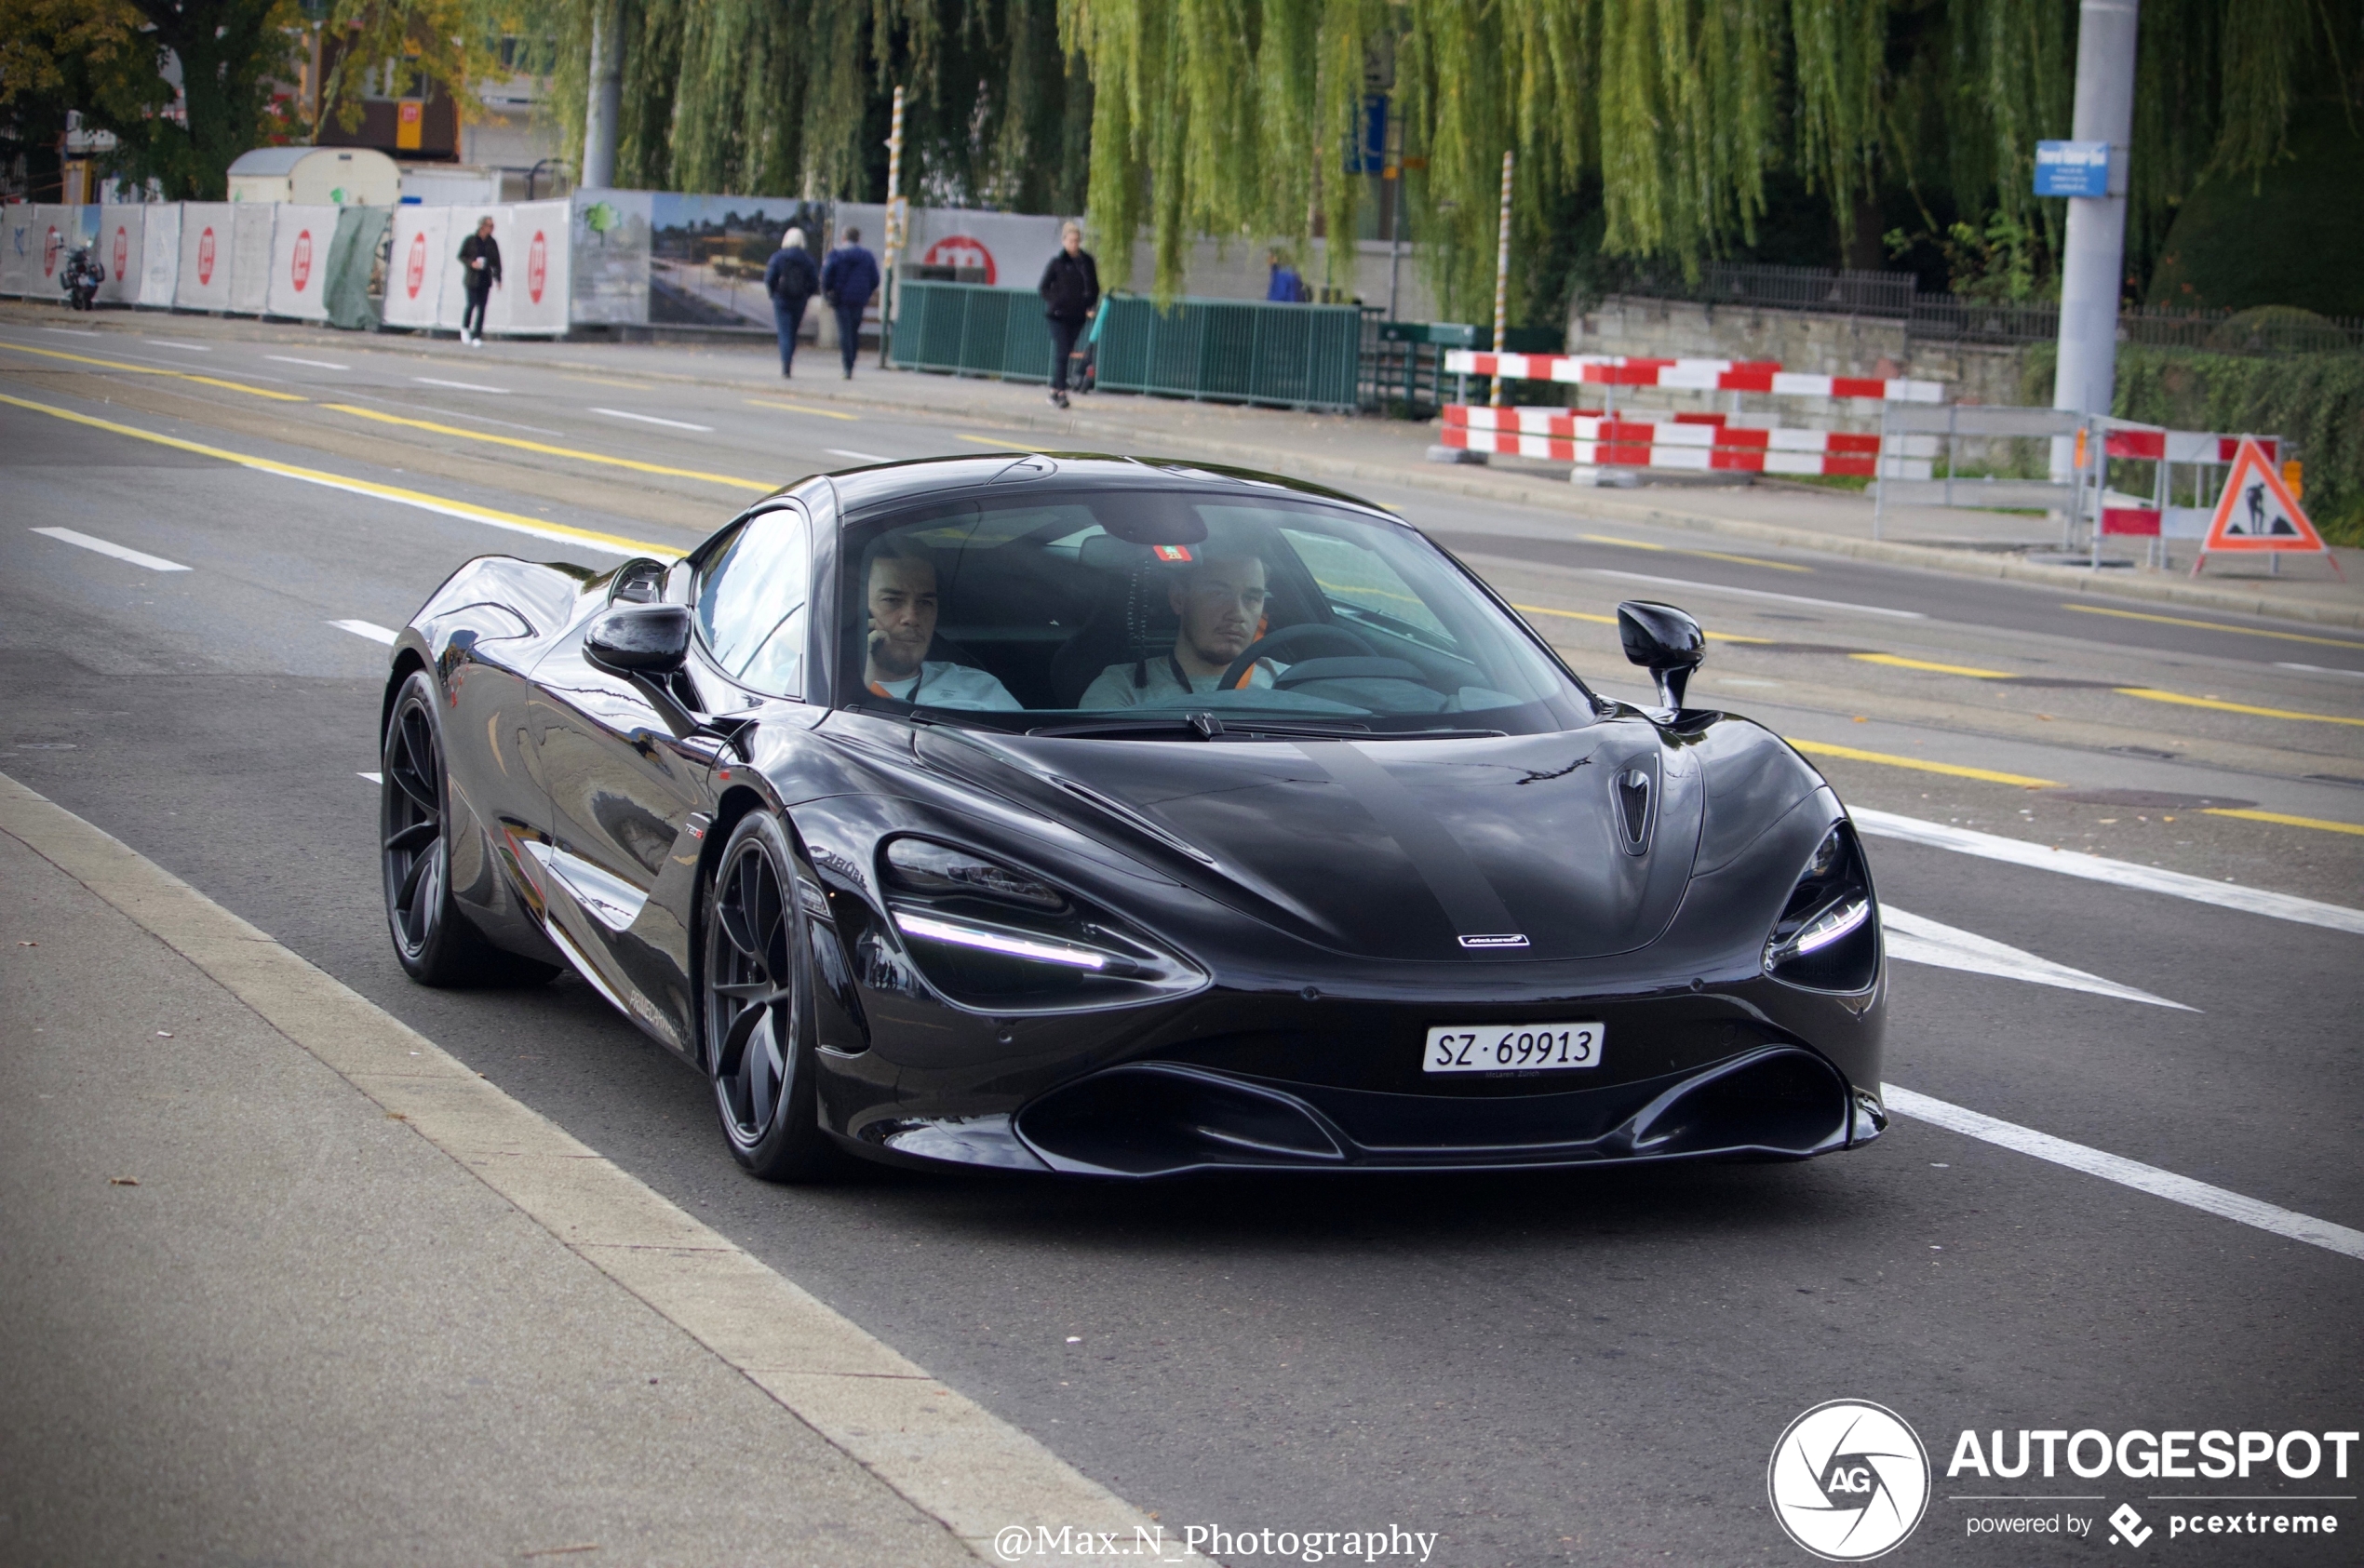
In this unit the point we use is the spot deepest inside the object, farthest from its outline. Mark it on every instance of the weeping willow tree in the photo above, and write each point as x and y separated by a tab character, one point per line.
1229	117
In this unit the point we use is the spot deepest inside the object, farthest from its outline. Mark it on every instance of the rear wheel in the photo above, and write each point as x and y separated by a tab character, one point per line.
756	1008
432	938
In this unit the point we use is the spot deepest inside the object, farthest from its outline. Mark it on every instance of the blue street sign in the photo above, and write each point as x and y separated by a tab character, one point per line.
1368	152
2072	168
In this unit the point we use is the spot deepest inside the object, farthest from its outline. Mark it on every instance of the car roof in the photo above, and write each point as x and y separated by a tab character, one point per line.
862	492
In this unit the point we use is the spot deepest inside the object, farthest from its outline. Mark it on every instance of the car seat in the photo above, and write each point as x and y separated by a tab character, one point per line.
1131	619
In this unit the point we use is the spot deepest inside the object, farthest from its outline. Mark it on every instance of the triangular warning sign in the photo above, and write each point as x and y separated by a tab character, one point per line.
2257	511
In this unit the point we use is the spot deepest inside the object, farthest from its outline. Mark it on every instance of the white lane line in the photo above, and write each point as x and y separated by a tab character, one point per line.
72	332
652	419
2321	669
2127	1173
374	778
2124	873
105	547
370	629
316	364
461	386
1691	587
858	457
441	412
167	343
1921	941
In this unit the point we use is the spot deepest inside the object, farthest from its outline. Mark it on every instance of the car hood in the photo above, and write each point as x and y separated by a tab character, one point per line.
1573	845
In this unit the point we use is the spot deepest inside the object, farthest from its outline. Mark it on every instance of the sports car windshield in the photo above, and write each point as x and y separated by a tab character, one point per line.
1138	612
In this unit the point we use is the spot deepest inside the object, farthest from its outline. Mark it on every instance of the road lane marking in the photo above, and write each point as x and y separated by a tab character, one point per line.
2213	626
2321	669
137	558
1679	550
1921	941
997	441
374	778
1611	620
804	409
602	381
858	457
2127	1173
1920	764
461	386
2322	824
155	371
2120	873
606	543
732	480
2151	694
652	419
72	332
1689	586
167	343
370	629
316	364
1896	661
947	1455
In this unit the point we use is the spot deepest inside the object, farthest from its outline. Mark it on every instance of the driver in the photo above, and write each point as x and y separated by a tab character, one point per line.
1220	600
902	599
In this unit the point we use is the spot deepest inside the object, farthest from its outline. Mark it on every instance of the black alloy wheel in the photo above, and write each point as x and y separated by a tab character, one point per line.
432	938
756	1008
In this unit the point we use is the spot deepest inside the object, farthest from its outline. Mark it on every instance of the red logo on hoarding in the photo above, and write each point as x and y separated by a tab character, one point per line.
960	250
205	258
49	249
414	272
537	266
300	265
122	251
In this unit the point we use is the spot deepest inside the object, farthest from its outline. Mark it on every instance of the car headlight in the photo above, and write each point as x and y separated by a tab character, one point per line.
1828	938
1000	939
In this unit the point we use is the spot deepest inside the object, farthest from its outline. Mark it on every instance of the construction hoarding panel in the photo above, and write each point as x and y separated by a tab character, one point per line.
300	261
250	225
207	231
414	268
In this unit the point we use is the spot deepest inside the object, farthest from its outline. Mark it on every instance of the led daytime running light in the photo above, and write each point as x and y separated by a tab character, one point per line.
1825	928
960	935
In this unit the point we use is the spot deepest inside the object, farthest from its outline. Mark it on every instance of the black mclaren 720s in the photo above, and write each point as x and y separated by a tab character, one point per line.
1129	818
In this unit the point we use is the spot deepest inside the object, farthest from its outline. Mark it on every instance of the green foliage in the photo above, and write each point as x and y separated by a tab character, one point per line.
2005	260
2289	237
2314	401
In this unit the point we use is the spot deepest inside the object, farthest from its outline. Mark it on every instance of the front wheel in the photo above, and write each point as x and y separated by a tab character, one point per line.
757	1009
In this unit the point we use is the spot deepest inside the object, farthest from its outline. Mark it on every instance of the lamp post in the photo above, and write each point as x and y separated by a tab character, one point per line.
2094	265
893	229
1503	276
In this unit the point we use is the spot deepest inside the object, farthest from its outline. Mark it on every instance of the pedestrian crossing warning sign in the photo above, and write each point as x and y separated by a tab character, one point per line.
2257	512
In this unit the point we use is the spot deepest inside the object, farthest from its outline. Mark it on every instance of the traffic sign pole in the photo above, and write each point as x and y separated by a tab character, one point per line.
2092	270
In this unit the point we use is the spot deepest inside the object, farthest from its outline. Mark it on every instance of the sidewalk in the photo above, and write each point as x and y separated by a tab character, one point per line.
256	1315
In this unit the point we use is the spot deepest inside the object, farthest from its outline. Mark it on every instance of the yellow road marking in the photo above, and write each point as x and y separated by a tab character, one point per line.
601	381
1611	620
2155	695
157	370
446	506
2213	625
804	409
2283	818
1896	661
1679	550
730	479
1919	765
997	441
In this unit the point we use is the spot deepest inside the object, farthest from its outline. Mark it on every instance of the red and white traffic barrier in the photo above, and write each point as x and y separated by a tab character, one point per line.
1686	375
1690	442
2138	517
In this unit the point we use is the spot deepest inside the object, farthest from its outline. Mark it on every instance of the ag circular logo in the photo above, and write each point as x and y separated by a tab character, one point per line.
1848	1481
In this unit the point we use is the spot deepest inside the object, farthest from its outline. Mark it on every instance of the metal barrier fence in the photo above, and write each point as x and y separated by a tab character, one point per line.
972	330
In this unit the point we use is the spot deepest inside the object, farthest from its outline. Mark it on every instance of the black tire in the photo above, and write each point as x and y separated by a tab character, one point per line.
755	1008
433	939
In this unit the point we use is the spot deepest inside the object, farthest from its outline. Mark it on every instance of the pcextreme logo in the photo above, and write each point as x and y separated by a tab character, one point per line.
1848	1481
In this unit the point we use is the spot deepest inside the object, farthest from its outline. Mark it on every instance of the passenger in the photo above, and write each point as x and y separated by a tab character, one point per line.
1220	600
902	611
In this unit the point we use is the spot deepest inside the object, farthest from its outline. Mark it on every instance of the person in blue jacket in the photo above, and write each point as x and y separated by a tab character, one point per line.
1287	286
848	279
791	280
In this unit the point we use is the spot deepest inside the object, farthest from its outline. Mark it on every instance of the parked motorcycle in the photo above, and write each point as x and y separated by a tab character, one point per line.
82	275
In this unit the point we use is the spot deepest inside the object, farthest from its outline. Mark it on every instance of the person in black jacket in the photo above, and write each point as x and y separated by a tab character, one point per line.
791	280
480	259
848	279
1070	290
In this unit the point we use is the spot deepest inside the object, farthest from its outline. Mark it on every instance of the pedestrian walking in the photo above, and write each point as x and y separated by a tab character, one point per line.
480	265
1287	286
791	280
1070	290
848	279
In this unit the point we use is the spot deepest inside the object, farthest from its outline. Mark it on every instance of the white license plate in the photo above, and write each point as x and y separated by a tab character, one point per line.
1500	1047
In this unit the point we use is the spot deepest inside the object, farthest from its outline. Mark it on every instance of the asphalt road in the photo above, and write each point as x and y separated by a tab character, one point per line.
1585	1367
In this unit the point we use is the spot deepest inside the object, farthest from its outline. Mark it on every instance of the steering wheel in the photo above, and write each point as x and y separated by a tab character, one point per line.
1318	639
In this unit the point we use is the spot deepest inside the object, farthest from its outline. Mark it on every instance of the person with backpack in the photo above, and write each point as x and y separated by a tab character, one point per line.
791	280
848	279
480	265
1070	290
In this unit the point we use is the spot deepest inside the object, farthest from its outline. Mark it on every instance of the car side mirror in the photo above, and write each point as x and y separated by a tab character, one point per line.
1666	642
640	639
